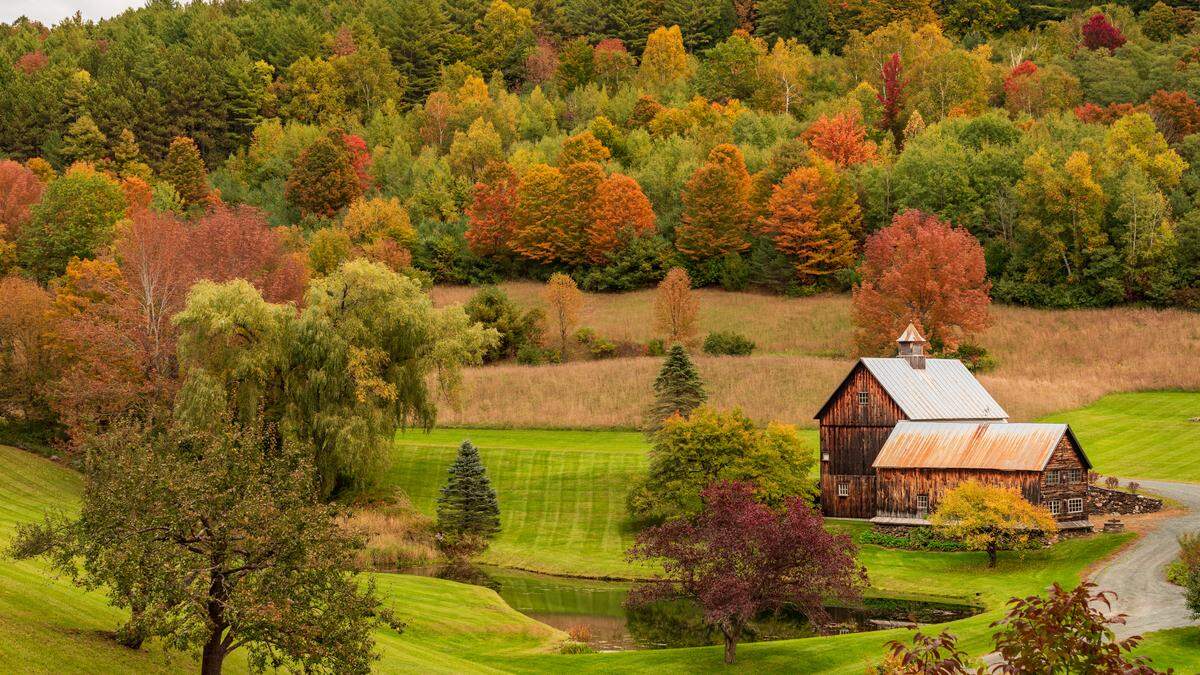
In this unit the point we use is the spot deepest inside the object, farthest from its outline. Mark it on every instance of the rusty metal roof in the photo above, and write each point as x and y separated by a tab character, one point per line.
998	446
943	390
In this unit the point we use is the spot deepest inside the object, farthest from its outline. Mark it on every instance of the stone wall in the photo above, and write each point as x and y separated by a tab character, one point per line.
1102	501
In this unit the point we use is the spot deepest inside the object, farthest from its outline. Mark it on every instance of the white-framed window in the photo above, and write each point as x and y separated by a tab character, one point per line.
843	489
864	398
824	456
1075	505
922	503
1073	476
1055	507
1052	477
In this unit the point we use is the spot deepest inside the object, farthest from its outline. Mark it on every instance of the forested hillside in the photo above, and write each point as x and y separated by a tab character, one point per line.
755	142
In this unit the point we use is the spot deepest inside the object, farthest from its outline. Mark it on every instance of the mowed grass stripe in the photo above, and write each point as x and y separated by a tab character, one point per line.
1141	435
562	494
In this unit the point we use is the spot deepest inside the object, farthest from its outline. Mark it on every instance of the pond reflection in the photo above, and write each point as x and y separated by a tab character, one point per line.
595	610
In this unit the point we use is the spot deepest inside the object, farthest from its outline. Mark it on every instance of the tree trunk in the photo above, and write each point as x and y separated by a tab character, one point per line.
214	654
991	551
731	633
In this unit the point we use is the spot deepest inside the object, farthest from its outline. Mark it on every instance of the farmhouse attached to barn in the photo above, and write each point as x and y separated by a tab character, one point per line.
898	433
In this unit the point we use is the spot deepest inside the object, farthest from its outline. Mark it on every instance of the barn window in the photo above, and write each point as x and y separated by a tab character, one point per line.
1075	505
1055	507
843	489
1052	477
1073	476
922	504
864	398
824	456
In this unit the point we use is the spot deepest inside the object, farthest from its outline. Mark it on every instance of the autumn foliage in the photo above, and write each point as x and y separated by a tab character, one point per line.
492	212
20	189
841	139
323	179
1099	33
716	206
810	225
676	307
923	270
891	96
739	558
620	212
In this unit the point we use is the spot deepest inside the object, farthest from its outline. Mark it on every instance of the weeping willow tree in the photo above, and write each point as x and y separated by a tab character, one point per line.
367	354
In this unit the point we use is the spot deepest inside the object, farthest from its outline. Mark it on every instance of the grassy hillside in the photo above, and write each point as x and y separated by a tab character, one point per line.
47	625
1145	435
1048	360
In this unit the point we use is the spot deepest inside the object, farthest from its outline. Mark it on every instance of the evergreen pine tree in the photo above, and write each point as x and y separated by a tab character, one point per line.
467	507
184	170
677	389
84	142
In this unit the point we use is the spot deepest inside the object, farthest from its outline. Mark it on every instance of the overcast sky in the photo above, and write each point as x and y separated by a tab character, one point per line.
51	12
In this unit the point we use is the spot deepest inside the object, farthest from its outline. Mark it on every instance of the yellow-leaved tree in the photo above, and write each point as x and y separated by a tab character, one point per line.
988	518
564	301
676	307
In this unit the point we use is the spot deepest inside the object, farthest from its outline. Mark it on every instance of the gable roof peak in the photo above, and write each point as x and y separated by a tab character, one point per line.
911	334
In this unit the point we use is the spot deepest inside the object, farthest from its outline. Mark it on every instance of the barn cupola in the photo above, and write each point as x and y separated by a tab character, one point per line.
912	347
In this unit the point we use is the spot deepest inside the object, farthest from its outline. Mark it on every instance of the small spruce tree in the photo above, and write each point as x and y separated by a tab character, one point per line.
677	389
468	515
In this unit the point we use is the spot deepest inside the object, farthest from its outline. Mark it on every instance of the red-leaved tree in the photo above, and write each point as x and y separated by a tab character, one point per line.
492	211
841	139
238	243
739	558
891	97
20	189
1175	113
1099	32
923	270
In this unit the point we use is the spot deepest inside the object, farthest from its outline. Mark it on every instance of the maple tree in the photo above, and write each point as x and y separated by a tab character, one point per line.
923	270
1099	33
20	189
739	558
27	361
620	213
809	227
891	97
238	243
716	206
841	139
540	213
582	147
676	307
1175	113
564	302
492	211
990	518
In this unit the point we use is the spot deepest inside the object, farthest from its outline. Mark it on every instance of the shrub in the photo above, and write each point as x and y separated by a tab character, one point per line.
728	343
573	647
493	308
656	347
975	358
1133	487
1093	477
596	346
531	354
735	273
918	539
1111	482
580	632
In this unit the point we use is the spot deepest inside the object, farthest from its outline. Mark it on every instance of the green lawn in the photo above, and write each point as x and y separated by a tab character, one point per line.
1141	435
1179	647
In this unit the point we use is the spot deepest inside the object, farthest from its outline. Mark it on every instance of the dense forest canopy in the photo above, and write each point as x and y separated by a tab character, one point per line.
755	142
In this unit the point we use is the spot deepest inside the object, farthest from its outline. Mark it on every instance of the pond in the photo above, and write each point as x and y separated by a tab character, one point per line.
595	611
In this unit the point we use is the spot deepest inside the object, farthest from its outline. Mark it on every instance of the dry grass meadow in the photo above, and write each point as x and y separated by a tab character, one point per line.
1048	360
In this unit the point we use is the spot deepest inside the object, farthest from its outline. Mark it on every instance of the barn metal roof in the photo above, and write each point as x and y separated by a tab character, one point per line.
943	390
972	445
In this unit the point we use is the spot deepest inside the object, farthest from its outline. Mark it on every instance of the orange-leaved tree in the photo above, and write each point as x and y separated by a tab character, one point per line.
621	212
841	139
676	307
564	302
810	224
492	211
716	206
923	270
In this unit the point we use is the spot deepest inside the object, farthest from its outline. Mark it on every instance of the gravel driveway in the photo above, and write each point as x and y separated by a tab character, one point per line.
1136	574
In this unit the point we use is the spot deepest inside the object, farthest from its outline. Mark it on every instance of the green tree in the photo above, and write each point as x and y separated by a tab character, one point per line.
367	355
492	308
184	170
468	515
74	219
691	453
702	22
731	68
505	37
807	21
214	541
678	389
323	180
470	152
84	142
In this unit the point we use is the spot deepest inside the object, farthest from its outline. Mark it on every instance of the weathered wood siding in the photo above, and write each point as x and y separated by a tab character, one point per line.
1063	461
897	489
851	436
859	503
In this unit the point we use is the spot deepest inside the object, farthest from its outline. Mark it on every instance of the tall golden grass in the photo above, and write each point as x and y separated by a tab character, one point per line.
1048	360
397	535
